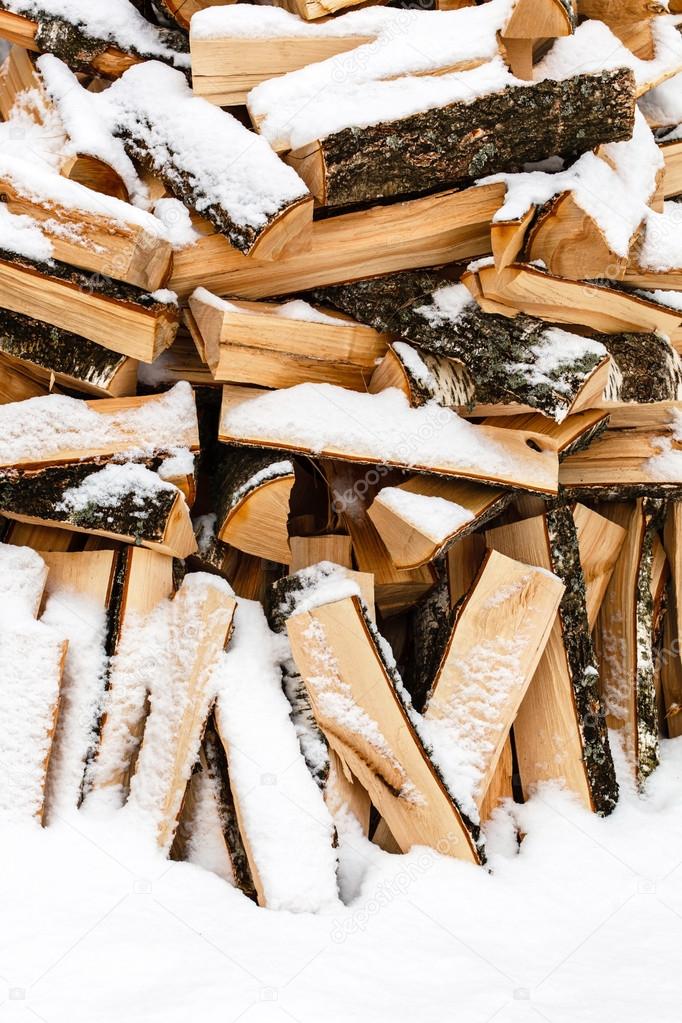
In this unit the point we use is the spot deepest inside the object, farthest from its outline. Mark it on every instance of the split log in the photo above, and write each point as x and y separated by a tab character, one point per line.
263	419
600	541
457	143
337	654
179	362
252	492
49	354
281	346
560	732
575	433
624	636
419	520
493	650
195	628
43	31
313	9
672	154
43	539
636	456
113	315
79	595
309	550
32	656
421	232
16	385
182	11
527	289
531	22
395	589
344	794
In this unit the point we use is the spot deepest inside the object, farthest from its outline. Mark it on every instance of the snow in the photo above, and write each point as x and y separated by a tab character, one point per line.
320	584
107	487
23	574
205	844
283	467
34	131
84	623
177	221
42	427
666	465
22	235
165	296
593	48
381	426
661	247
283	816
291	121
448	304
296	309
434	516
662	106
614	189
559	350
116	22
671	299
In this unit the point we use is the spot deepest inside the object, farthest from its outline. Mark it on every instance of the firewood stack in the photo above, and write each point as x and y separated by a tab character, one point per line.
341	422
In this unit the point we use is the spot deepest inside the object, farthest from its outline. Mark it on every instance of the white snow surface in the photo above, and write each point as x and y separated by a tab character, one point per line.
23	574
115	21
661	247
22	236
295	309
284	816
437	517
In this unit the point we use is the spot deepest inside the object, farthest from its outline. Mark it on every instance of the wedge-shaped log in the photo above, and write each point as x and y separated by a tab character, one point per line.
43	539
526	289
420	519
672	154
16	385
637	455
182	11
656	260
357	700
599	544
79	593
494	647
252	492
452	143
88	231
195	628
531	22
422	232
36	28
574	433
624	636
49	354
327	425
32	657
283	345
115	316
147	580
499	355
560	732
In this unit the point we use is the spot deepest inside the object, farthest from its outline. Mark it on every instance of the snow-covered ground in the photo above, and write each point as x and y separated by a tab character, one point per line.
585	924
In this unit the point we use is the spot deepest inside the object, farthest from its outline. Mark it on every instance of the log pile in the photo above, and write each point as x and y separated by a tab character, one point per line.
340	419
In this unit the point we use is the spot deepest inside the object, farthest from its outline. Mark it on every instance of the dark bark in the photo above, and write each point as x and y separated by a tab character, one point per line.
497	351
646	736
457	144
57	351
430	625
651	368
597	758
38	493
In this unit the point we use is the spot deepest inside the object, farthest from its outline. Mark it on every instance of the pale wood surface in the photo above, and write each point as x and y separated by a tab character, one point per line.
599	541
258	524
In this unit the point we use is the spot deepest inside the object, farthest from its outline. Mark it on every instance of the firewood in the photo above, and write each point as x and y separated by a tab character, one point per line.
575	433
624	636
113	315
499	354
338	657
421	232
16	385
195	625
32	656
34	27
419	520
49	354
670	661
309	550
258	418
672	154
252	502
559	730
494	648
343	793
530	22
281	346
599	544
183	11
453	143
79	592
43	539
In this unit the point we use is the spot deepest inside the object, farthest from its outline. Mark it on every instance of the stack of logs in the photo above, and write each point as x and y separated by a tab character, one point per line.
431	423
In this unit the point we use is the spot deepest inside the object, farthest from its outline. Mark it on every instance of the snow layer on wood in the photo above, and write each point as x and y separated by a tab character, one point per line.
84	623
116	22
556	351
206	840
614	190
22	578
39	428
593	47
22	235
317	585
292	122
434	516
381	426
662	106
666	465
227	165
661	247
34	131
296	309
671	299
89	132
282	812
448	304
110	485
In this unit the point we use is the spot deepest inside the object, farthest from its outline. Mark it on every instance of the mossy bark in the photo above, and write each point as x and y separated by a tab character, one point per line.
459	143
650	366
500	354
598	762
57	351
39	494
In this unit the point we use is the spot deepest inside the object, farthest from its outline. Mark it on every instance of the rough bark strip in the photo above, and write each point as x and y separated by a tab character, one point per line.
646	738
456	144
651	368
430	627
